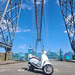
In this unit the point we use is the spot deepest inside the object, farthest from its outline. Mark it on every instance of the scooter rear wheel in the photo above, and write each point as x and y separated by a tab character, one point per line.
48	69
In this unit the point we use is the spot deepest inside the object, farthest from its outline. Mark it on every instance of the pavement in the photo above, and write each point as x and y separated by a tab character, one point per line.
60	68
73	61
8	62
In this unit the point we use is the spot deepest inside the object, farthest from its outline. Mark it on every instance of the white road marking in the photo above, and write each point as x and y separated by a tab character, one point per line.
21	70
56	70
4	70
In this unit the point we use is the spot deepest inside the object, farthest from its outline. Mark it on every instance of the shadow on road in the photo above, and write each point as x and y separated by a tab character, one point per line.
34	71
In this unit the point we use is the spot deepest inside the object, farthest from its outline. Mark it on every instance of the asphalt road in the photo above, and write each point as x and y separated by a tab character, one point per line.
60	68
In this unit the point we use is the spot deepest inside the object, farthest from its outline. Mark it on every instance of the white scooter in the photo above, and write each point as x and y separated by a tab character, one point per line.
44	64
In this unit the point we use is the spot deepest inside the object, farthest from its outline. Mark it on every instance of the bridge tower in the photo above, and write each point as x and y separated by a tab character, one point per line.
68	12
9	16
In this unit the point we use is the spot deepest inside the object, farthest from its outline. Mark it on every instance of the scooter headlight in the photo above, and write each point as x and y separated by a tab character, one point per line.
30	56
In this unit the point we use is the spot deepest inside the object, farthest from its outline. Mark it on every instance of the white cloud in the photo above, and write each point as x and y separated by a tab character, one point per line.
2	0
32	1
4	26
29	4
45	1
26	6
69	20
38	3
65	31
70	33
22	46
57	1
18	30
22	30
70	25
28	30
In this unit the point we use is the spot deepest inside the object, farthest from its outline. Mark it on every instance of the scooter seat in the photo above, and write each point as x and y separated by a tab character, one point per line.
36	59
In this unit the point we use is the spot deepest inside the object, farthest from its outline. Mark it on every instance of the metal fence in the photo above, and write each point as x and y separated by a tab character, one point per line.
51	55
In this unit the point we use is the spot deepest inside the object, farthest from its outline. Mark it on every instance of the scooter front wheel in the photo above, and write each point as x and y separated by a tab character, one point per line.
48	69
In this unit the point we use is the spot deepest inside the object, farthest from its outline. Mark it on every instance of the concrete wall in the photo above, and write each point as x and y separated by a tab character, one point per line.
9	55
2	56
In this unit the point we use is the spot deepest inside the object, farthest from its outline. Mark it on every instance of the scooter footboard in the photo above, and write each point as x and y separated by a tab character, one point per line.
32	65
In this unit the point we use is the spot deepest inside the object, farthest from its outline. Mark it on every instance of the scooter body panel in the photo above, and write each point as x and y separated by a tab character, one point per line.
35	62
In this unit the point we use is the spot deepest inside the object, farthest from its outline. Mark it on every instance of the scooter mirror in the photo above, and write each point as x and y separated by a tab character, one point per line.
43	50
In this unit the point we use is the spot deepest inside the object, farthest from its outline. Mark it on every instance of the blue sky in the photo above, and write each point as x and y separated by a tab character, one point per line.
53	31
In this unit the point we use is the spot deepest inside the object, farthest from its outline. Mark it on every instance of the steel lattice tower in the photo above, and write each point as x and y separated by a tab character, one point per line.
38	15
68	11
9	15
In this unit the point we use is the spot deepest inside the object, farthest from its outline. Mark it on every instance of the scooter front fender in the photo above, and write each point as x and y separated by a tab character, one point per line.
46	62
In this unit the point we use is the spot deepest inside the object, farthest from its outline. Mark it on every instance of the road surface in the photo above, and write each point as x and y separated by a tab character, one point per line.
60	68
